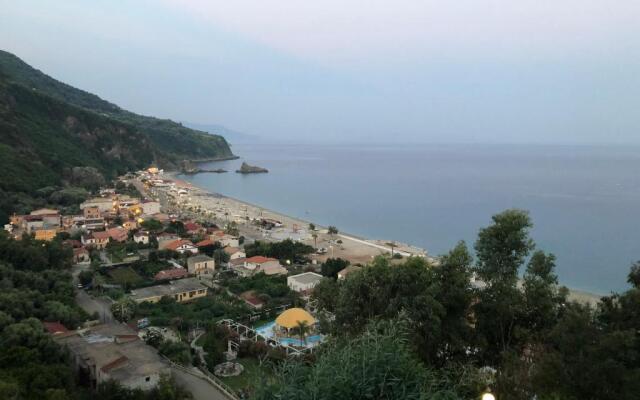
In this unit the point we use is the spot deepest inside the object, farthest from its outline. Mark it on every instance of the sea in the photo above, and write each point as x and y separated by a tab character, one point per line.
584	200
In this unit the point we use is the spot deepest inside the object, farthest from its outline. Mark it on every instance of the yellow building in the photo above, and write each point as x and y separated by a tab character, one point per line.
46	234
292	317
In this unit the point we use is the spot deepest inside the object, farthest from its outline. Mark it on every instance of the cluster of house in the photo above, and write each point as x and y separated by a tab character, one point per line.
107	218
43	223
100	214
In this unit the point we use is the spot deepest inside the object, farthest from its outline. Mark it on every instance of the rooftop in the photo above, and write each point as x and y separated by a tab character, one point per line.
306	278
173	273
114	349
174	245
198	258
231	250
204	243
175	287
291	317
259	259
55	328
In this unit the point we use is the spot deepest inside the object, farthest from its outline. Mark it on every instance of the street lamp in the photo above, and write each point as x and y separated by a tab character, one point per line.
487	395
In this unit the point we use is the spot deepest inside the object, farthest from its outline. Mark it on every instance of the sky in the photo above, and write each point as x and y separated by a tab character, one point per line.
402	71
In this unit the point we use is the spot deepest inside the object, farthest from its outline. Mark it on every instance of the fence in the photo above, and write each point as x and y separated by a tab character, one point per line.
207	376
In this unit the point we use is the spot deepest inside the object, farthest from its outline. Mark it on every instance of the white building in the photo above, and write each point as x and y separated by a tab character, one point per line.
234	253
257	264
141	237
303	282
201	265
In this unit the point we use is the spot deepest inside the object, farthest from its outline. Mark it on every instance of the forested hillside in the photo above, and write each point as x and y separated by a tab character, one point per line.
49	129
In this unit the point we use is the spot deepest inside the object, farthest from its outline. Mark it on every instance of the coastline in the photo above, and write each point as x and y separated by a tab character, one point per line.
353	247
212	159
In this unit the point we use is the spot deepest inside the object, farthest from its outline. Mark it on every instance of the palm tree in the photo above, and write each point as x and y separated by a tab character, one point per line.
392	245
303	329
315	239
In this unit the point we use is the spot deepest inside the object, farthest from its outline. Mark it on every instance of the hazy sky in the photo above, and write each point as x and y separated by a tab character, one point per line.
550	71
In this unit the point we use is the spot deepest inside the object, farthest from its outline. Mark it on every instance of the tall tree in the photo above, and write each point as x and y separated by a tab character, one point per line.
501	249
543	298
455	295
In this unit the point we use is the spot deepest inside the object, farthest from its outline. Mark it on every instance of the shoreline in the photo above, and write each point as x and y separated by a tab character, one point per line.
373	246
212	159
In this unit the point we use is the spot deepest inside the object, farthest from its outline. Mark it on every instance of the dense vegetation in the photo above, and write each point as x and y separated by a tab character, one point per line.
36	286
285	251
539	344
49	129
378	364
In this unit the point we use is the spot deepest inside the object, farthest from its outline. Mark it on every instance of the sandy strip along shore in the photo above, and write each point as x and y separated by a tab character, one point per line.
222	209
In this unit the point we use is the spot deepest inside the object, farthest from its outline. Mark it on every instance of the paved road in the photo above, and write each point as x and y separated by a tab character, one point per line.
92	305
200	388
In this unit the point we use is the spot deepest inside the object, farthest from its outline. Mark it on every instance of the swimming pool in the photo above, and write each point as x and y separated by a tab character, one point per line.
267	331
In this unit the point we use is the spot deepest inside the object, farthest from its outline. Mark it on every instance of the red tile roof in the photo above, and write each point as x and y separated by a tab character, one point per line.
101	235
191	226
206	242
55	328
251	297
81	250
173	273
259	259
231	250
73	243
174	245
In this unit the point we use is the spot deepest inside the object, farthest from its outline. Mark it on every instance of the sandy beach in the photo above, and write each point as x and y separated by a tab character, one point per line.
221	209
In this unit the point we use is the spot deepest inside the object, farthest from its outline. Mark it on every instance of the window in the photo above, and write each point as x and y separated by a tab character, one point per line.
147	379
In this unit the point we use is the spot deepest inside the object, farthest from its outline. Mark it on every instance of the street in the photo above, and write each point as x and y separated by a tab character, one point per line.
200	388
93	305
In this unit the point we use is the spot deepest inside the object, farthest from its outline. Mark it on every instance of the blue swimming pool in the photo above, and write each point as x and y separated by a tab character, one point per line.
267	331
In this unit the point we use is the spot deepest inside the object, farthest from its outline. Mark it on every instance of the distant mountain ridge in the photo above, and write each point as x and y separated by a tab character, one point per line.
48	128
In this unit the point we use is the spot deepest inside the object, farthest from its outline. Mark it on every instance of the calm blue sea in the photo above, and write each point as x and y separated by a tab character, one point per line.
584	201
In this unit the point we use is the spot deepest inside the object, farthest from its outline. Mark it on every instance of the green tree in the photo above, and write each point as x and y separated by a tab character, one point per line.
382	291
543	298
302	328
332	230
332	266
123	310
326	294
378	364
501	249
455	295
152	225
